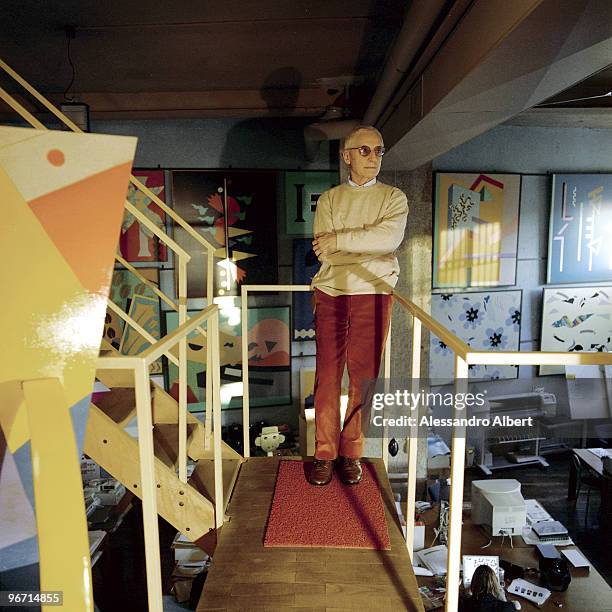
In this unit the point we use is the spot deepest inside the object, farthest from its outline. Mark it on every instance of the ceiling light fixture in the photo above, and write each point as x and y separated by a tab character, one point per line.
77	112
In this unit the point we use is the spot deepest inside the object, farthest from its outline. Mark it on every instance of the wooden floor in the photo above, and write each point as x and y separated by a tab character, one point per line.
246	576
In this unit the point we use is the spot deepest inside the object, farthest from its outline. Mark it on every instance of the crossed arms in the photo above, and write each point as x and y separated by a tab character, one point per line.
356	245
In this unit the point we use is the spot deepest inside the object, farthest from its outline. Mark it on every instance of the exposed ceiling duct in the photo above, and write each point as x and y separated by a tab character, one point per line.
418	23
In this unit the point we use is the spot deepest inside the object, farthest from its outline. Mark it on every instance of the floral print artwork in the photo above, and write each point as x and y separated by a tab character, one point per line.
487	321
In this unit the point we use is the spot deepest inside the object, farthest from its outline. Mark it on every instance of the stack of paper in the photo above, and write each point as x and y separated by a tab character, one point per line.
186	552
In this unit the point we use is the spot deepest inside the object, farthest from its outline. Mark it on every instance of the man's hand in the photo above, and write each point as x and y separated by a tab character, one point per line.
324	244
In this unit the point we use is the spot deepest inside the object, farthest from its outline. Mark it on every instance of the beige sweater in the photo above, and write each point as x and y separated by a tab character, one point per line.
369	223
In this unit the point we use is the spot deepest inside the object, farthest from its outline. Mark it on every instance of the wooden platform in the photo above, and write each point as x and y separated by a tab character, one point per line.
246	576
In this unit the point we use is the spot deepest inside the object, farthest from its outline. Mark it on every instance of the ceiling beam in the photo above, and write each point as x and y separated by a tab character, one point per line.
501	58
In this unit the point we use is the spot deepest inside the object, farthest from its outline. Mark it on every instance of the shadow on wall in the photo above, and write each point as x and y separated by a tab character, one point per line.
276	140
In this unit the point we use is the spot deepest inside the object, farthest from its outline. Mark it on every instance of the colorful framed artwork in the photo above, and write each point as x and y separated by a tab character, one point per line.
579	245
125	285
302	190
113	326
576	319
144	310
245	232
305	266
137	243
475	230
485	321
269	358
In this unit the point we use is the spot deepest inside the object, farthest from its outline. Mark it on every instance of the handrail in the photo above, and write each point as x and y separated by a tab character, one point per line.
151	285
458	346
155	351
463	357
140	365
173	214
143	332
244	296
142	218
20	110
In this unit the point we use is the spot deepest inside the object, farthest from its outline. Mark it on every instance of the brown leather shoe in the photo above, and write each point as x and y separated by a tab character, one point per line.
350	470
321	472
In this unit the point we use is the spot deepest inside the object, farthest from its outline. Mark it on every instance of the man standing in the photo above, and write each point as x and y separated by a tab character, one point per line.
357	228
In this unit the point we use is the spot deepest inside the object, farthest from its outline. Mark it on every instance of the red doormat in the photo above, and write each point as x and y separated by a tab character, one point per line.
336	515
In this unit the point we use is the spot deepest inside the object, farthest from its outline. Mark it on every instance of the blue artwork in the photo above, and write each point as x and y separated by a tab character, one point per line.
579	245
485	321
305	266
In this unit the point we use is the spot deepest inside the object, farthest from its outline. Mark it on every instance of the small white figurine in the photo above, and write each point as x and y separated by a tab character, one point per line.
269	440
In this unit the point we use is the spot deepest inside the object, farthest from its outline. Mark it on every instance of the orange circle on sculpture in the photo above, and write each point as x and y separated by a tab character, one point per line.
56	157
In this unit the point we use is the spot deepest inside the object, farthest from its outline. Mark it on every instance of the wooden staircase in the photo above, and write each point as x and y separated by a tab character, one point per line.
189	507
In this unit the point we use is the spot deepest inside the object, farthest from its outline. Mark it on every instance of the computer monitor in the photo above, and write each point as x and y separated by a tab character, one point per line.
499	506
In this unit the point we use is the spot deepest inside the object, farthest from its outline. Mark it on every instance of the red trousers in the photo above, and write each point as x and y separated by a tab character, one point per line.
351	330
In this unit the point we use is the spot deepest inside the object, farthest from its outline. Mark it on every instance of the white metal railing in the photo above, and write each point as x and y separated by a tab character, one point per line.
182	256
144	413
464	356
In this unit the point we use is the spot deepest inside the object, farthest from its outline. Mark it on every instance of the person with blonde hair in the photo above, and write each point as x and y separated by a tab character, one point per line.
358	225
487	594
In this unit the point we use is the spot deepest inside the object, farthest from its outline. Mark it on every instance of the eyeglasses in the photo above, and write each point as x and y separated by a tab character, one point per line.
364	150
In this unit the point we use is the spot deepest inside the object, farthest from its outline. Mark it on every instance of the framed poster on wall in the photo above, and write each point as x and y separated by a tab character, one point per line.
137	243
125	285
144	310
576	319
249	224
302	190
485	321
269	358
475	229
305	266
579	241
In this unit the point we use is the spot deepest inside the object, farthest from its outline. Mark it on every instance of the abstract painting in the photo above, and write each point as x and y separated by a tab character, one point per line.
126	285
137	243
269	358
576	319
475	229
485	321
305	266
302	190
579	245
243	231
113	326
144	310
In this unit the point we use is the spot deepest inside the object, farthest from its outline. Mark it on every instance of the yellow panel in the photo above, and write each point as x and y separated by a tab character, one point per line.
48	325
13	417
58	491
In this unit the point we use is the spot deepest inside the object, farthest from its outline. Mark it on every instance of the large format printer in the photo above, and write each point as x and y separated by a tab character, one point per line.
502	447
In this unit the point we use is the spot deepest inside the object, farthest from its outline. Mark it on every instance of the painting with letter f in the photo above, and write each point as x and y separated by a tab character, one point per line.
302	190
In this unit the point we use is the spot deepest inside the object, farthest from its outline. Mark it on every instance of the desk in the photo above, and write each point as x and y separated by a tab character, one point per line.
592	461
587	592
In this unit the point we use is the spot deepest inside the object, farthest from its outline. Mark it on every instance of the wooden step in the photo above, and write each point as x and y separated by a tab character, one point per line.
165	410
119	404
116	378
166	442
118	453
203	478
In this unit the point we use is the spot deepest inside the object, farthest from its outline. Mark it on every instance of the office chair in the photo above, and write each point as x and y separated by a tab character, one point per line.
587	477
